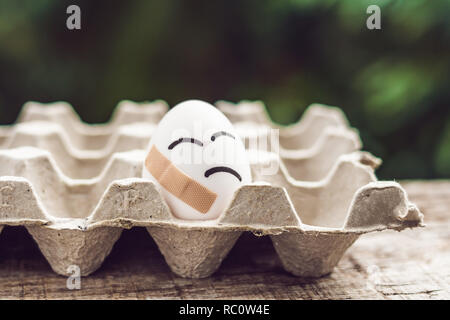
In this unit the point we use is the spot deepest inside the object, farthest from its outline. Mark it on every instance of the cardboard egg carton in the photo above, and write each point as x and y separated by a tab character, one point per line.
311	223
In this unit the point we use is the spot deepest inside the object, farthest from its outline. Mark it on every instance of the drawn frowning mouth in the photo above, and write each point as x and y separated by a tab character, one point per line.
223	169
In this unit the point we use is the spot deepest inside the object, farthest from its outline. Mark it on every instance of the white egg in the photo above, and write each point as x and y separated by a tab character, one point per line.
197	159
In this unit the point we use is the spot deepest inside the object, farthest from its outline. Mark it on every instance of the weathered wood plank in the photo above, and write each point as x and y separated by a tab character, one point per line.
413	264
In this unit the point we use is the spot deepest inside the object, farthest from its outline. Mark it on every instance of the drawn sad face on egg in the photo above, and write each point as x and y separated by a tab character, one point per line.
197	160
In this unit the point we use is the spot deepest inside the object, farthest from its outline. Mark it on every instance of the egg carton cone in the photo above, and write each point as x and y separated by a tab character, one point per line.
85	136
81	156
77	221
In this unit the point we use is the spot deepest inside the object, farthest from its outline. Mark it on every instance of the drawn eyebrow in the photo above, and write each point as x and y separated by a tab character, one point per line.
221	133
222	169
182	140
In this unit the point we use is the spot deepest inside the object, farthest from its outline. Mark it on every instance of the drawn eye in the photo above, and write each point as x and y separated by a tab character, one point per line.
183	140
221	133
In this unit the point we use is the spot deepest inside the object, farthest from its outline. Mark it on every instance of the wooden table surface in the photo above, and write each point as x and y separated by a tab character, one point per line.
412	264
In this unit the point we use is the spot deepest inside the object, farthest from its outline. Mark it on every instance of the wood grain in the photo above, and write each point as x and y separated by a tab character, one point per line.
413	264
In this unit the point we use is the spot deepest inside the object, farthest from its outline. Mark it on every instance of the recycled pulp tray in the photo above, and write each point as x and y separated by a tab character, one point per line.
311	223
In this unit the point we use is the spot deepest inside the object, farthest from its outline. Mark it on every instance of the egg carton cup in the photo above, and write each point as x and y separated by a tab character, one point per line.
316	157
85	136
311	224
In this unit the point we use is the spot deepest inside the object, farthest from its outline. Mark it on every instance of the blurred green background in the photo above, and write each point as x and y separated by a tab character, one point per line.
392	83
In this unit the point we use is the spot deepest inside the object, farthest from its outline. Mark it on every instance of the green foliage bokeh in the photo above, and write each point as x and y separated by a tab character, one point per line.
392	83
